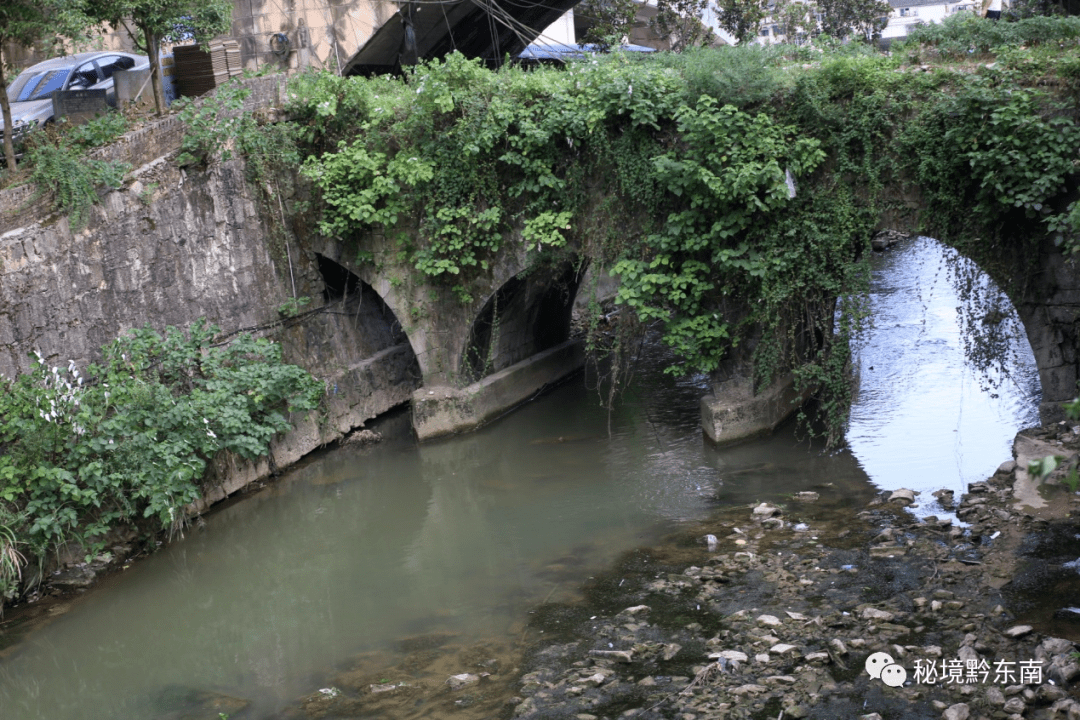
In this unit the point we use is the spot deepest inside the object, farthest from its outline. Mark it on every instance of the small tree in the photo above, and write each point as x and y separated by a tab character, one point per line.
864	19
795	20
151	22
27	23
741	18
679	22
609	21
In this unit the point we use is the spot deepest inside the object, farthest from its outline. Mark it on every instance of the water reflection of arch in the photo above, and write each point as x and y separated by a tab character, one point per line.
1037	302
529	313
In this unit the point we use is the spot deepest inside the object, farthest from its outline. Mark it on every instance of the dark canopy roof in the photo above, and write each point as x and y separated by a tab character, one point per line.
484	29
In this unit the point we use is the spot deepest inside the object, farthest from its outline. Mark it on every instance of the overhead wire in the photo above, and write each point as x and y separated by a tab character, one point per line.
449	30
495	14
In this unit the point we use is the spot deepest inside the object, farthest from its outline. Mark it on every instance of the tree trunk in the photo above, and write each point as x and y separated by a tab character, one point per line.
5	106
156	79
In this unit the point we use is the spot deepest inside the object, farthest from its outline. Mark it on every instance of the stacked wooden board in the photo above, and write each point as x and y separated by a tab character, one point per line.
232	57
198	71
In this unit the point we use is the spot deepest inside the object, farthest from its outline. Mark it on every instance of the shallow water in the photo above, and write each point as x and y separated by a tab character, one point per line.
922	418
356	550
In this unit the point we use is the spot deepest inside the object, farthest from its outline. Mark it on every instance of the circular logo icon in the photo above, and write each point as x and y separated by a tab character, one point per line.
893	675
877	662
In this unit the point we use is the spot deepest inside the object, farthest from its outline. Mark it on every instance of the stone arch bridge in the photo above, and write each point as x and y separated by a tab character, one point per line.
173	246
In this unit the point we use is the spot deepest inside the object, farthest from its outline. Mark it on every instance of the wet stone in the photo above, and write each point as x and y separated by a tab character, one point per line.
876	614
75	577
1047	694
1057	646
456	682
903	496
1014	705
959	711
1018	631
765	510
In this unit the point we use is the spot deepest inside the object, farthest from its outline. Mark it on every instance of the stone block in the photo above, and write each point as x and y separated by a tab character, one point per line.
446	410
733	413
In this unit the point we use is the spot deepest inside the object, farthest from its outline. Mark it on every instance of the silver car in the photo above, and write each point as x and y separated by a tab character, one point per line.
31	93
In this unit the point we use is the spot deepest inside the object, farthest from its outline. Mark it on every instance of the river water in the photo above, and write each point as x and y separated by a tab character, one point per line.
357	550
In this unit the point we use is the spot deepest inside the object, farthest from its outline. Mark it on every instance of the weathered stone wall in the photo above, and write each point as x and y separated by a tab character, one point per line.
1050	312
174	246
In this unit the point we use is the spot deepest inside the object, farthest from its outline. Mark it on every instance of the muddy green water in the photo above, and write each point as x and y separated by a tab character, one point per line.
357	549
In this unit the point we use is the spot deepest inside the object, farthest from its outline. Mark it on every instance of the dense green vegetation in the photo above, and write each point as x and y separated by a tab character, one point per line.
129	440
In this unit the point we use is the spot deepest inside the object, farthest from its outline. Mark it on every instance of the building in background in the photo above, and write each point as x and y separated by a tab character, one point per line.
905	14
909	13
285	34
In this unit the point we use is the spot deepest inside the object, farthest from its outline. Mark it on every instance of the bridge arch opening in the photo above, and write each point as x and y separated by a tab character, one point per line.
530	313
361	314
944	372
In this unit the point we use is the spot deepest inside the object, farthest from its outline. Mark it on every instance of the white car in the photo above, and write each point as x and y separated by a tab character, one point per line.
31	93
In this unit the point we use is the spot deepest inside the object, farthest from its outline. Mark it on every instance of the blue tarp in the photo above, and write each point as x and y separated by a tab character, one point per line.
562	51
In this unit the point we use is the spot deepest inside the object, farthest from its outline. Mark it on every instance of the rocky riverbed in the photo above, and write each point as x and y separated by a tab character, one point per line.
773	612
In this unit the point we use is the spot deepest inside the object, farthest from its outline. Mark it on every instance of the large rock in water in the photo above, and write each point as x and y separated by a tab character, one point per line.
886	239
456	682
765	510
903	496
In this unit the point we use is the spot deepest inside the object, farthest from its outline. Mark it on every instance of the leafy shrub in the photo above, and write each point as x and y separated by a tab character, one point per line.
58	165
741	76
99	131
964	33
212	124
132	439
1005	153
325	105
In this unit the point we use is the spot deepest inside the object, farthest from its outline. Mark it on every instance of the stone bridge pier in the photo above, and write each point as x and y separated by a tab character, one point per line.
483	351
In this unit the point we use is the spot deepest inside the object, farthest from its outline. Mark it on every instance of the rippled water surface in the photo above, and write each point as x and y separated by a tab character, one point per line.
357	549
922	419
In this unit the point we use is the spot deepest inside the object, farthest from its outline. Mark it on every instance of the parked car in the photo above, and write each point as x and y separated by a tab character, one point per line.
31	92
